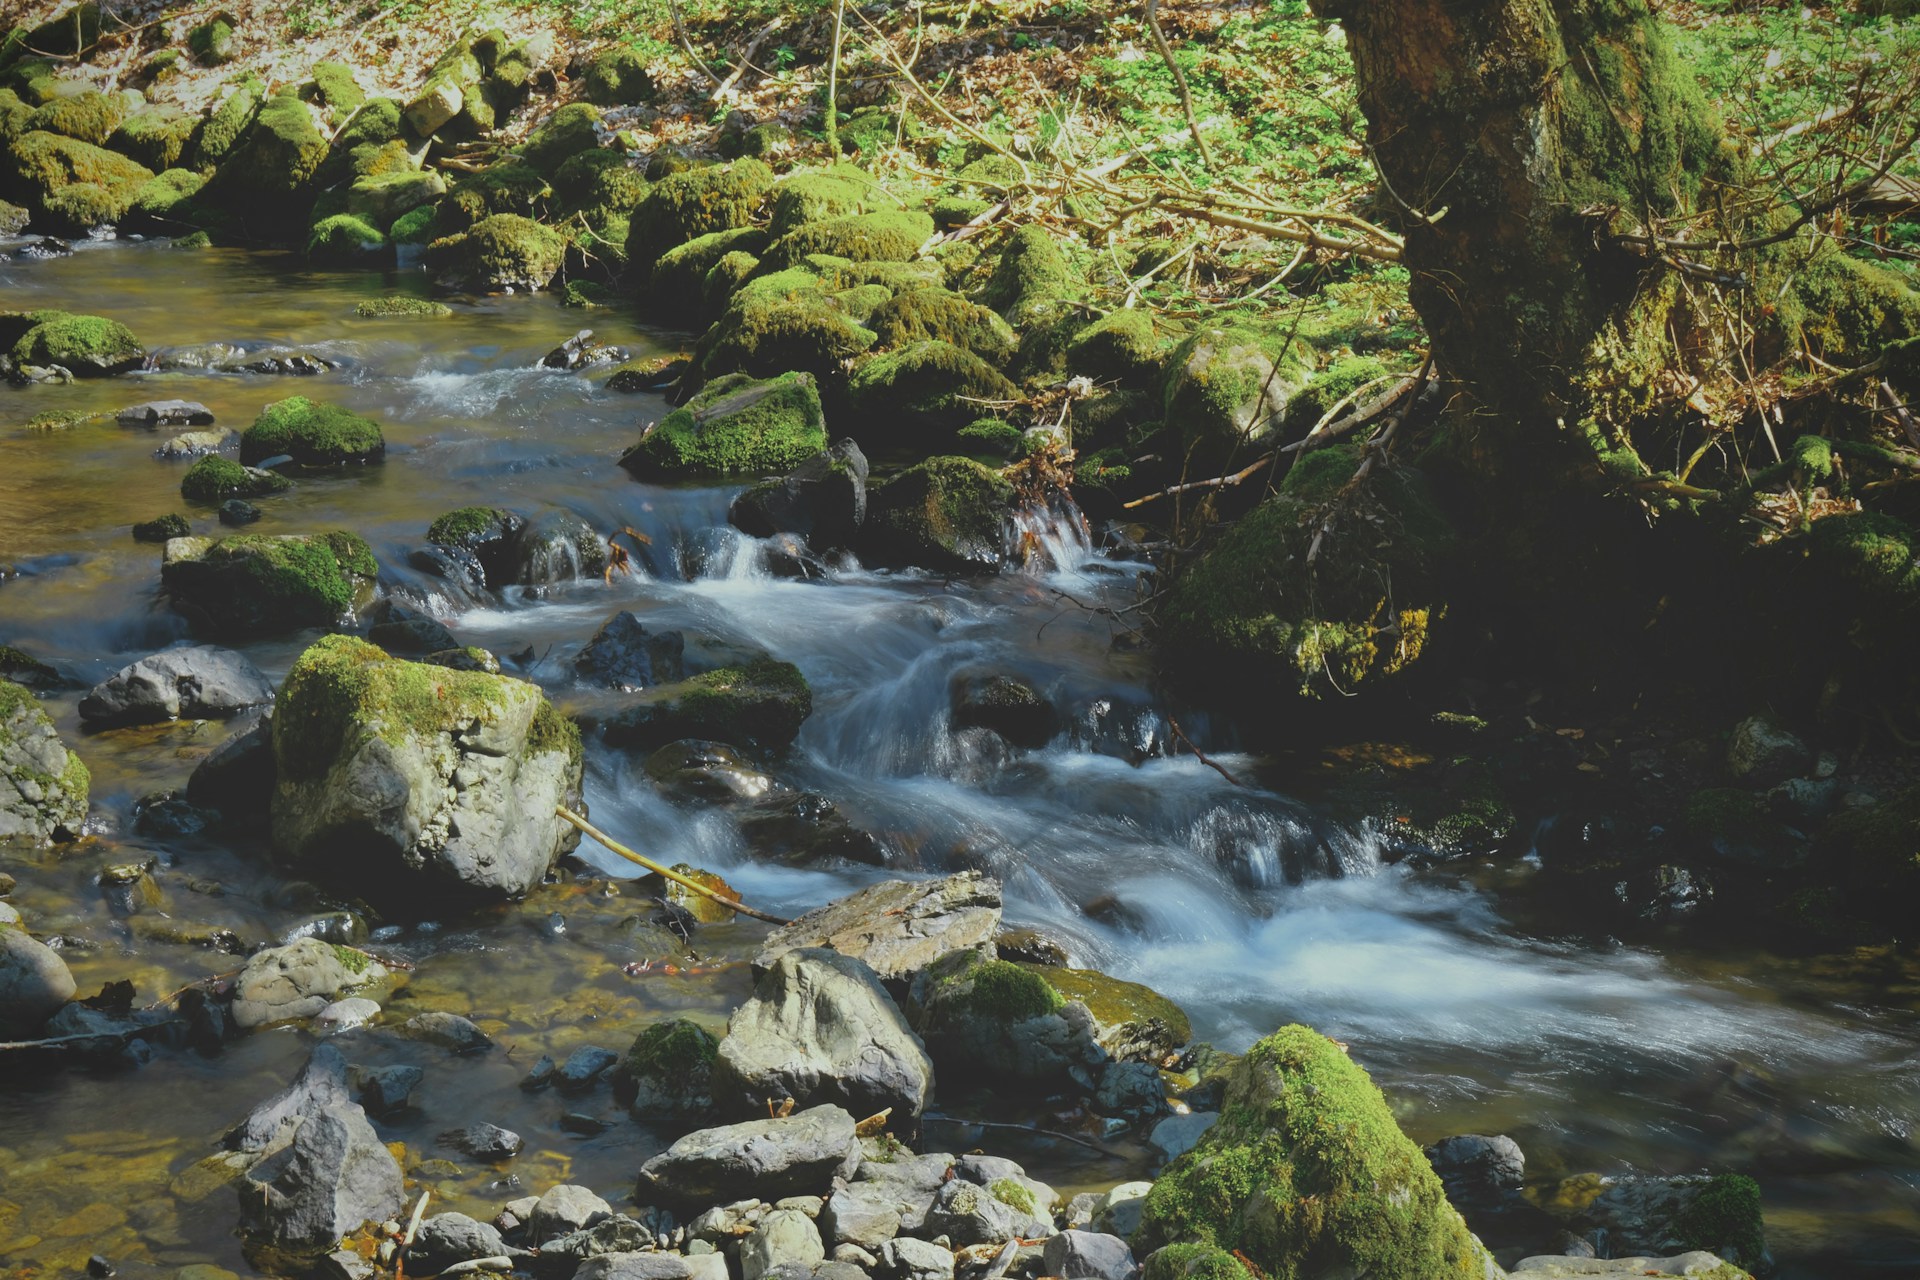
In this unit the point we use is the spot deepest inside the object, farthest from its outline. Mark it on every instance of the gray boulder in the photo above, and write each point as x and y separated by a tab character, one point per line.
1555	1267
1086	1255
321	1182
821	1028
967	1213
1761	753
1479	1173
898	926
1119	1210
447	1030
647	1266
625	655
993	1019
783	1237
201	682
34	982
448	1238
386	1089
460	790
1002	1176
165	413
583	1068
566	1208
823	500
861	1214
799	1154
483	1141
908	1259
322	1083
43	786
906	1182
615	1234
298	981
1176	1135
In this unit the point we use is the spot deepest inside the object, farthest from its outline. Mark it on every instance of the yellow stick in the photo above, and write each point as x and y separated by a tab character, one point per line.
607	840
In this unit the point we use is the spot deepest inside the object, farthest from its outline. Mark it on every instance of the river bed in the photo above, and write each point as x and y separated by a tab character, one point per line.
1245	905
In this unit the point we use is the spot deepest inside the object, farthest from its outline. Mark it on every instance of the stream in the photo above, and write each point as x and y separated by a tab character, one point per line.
1242	904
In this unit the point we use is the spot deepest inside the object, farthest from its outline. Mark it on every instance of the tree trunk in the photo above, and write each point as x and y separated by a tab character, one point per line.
1523	134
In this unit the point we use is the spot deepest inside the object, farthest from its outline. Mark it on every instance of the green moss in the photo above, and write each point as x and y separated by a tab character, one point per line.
43	163
279	152
725	278
344	240
757	705
375	126
1725	1218
192	240
211	42
381	198
992	437
342	683
894	235
551	731
16	664
160	199
1033	282
779	323
413	227
920	315
227	123
836	274
1306	1170
1194	1262
992	172
468	525
681	272
950	212
333	84
1015	1195
735	426
1119	347
695	202
160	530
1228	386
503	250
567	132
677	1049
83	344
352	959
923	392
253	584
1133	1011
1328	388
91	116
1001	991
946	514
1848	310
618	77
402	305
815	195
214	479
14	115
315	435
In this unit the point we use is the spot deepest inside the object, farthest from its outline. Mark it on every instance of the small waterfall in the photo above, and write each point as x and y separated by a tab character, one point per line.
1262	850
1049	536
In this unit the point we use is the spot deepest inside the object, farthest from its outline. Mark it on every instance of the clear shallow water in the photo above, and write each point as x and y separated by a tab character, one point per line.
1242	904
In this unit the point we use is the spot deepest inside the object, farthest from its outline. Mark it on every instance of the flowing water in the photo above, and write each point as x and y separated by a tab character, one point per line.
1242	904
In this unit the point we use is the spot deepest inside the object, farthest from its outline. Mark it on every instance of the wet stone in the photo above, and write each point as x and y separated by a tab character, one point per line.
165	413
583	1068
483	1141
384	1090
448	1030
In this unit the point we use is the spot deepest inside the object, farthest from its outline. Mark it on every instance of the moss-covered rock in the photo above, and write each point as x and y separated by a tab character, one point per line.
735	426
1133	1023
1306	1173
618	77
399	306
813	195
314	435
949	515
367	747
695	202
156	138
983	1018
1227	387
1253	612
758	705
671	1062
780	323
86	346
681	272
503	250
921	394
345	240
43	165
1848	309
280	151
90	116
729	273
920	315
256	585
43	785
369	130
211	41
510	186
569	131
415	227
950	212
228	122
380	199
1121	347
214	479
893	235
1033	283
332	85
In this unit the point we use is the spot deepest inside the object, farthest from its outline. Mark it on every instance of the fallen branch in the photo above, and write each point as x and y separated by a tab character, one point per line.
1027	1128
1200	755
733	903
88	1038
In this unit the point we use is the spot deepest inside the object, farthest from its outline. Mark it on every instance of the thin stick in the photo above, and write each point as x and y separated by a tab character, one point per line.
413	1223
659	870
1179	82
1200	755
833	82
680	29
1027	1128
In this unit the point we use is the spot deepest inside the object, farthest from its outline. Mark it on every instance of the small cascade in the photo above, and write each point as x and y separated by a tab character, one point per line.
1049	536
1263	850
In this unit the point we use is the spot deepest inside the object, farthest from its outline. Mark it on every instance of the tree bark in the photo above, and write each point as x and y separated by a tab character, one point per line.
1522	134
